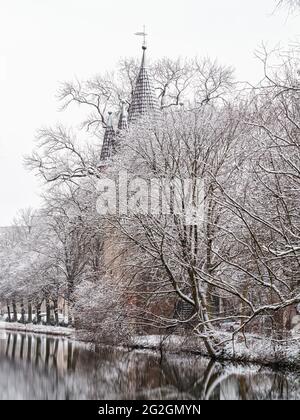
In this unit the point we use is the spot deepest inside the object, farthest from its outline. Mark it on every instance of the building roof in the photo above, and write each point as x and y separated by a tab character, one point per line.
144	100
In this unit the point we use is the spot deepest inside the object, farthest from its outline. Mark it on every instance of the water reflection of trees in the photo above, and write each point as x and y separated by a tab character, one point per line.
41	351
55	368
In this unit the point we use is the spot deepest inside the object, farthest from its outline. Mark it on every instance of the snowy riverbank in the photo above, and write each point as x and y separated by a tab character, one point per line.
246	348
38	329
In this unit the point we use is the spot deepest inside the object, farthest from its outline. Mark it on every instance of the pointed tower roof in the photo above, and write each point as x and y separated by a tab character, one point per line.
123	122
108	141
144	100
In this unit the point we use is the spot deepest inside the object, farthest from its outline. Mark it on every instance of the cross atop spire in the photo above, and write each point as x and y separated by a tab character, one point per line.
144	35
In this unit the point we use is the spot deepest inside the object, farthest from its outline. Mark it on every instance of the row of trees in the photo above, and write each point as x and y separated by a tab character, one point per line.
42	256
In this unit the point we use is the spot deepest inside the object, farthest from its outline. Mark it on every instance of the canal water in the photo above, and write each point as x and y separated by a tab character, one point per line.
44	367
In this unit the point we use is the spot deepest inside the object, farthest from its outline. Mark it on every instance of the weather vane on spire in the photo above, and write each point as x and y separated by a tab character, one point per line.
143	34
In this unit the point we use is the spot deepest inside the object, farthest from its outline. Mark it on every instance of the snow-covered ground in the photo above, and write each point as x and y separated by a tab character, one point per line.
246	348
39	329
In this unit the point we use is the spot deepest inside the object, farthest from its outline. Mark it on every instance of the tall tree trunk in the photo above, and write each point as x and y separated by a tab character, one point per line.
70	300
66	311
38	312
15	314
29	311
22	320
48	311
8	312
55	307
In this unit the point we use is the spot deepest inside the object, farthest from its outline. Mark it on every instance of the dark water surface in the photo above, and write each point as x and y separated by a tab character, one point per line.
43	367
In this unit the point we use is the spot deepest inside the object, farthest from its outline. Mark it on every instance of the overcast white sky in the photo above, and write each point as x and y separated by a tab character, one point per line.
44	42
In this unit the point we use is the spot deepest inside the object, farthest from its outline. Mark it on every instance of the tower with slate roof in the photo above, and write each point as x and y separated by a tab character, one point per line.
143	102
108	141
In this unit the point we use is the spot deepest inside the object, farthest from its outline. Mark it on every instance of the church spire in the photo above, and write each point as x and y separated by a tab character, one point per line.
143	100
108	141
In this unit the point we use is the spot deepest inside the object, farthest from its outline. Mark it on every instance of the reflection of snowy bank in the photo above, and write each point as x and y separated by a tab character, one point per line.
42	367
39	329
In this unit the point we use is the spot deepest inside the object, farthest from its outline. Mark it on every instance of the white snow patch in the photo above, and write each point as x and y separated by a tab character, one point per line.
41	329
